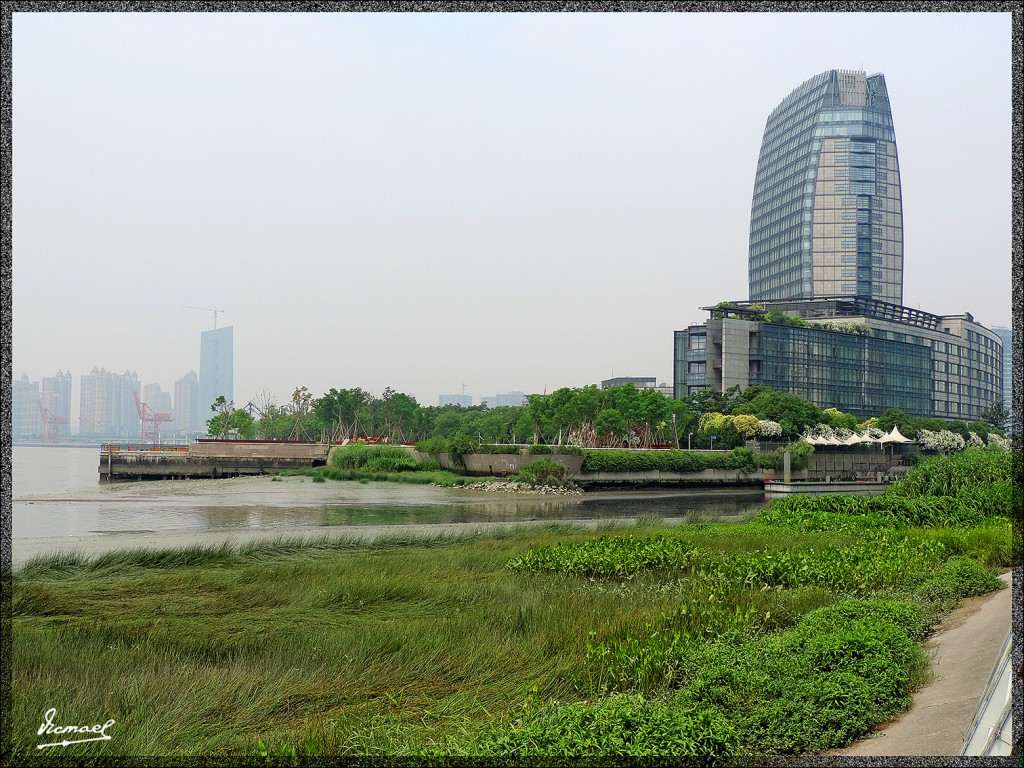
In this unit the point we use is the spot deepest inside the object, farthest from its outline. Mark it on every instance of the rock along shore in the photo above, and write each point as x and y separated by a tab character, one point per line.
514	486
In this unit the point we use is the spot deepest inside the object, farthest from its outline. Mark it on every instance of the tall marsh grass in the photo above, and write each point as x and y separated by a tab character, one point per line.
790	634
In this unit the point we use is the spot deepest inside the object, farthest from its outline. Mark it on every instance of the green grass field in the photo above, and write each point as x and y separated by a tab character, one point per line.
787	634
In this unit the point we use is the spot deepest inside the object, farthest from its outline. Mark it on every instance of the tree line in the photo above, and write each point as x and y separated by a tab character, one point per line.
588	417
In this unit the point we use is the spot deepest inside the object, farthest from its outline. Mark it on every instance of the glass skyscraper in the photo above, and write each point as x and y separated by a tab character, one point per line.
216	370
826	249
827	216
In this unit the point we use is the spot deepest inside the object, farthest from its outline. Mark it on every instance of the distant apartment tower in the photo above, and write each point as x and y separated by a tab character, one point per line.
463	401
216	369
827	212
154	396
1006	336
186	403
56	400
505	398
26	421
107	404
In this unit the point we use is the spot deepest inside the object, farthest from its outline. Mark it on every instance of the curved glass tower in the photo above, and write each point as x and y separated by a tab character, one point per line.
827	216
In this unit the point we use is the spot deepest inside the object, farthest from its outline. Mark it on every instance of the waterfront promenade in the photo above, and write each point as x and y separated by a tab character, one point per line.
963	653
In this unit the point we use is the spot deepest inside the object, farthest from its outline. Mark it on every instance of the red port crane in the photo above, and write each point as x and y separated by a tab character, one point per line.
150	421
51	424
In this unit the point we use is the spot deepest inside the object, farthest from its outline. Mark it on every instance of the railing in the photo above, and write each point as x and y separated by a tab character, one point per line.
139	447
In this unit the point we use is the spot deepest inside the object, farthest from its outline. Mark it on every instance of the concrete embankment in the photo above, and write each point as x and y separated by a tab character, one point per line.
207	459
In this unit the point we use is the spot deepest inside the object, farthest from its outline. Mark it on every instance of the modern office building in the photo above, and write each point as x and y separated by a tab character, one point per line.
186	403
216	369
463	401
858	355
827	216
825	319
1006	336
640	382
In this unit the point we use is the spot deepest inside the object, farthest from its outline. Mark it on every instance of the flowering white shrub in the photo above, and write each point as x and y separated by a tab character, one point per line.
998	441
820	430
942	441
974	441
766	428
873	432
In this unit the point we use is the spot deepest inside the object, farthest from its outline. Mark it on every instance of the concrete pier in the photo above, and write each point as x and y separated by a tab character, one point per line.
207	459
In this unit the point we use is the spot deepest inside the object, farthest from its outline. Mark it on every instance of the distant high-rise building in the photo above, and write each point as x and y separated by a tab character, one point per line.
186	403
56	399
827	216
107	404
154	396
506	398
26	421
216	369
1006	336
464	401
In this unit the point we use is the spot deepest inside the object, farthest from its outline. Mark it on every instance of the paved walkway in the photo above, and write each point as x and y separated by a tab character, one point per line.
963	654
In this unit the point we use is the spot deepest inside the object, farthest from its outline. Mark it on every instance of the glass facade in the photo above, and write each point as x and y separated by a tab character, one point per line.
948	367
826	218
859	375
216	370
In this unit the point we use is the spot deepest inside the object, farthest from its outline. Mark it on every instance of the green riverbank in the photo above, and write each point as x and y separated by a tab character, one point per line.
792	633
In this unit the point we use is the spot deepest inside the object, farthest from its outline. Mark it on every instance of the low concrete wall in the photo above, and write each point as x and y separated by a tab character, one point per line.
507	463
154	466
704	477
501	463
230	449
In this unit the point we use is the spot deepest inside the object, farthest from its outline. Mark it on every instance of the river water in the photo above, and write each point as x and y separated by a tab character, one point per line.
59	504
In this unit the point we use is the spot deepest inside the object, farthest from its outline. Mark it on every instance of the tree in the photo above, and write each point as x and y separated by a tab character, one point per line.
302	404
611	426
230	419
995	416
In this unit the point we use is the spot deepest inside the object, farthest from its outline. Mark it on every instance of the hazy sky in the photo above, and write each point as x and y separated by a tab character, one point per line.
422	201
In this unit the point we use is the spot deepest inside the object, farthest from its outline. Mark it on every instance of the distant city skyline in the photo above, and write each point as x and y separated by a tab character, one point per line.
510	202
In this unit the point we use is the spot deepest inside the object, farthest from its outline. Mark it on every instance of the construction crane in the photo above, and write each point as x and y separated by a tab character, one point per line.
208	309
150	421
51	424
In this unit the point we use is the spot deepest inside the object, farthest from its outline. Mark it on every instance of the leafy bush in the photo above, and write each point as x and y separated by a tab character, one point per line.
619	726
742	459
435	446
504	449
538	450
356	456
959	577
545	472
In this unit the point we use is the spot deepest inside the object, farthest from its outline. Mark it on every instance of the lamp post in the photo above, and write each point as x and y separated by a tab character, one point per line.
713	441
689	440
675	434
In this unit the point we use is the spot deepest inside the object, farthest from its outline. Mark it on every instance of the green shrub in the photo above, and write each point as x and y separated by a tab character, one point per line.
538	450
618	726
545	472
958	577
498	449
435	446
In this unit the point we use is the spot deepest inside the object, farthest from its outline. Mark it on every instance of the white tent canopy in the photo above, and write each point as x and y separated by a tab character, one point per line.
894	437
